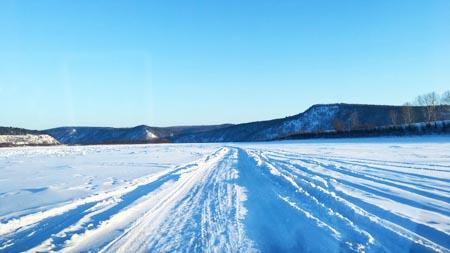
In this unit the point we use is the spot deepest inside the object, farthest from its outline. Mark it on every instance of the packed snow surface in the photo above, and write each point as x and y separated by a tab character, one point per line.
368	195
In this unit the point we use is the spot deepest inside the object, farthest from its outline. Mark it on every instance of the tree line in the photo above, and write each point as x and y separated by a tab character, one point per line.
17	131
441	127
429	107
435	105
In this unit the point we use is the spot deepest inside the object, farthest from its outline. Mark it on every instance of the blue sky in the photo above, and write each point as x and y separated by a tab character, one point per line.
161	63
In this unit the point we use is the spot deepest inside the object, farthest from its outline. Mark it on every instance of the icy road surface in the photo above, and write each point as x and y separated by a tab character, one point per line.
368	195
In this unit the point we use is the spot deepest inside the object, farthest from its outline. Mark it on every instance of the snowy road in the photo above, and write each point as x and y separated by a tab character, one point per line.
313	197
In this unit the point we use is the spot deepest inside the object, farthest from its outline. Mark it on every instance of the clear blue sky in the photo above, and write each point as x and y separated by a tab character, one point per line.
124	63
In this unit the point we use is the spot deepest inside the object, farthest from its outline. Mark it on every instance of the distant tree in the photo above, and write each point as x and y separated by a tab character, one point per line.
354	121
445	101
445	98
407	113
338	125
320	127
393	117
431	102
366	126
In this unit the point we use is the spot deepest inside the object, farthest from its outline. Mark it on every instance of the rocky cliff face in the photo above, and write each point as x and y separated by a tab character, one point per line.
27	140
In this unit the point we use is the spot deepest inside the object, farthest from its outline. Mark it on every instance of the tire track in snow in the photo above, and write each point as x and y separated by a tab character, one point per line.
54	228
249	199
417	183
310	207
277	220
307	174
430	179
383	188
207	218
205	192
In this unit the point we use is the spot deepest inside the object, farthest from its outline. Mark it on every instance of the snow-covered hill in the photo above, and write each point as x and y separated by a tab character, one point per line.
110	135
103	135
317	118
27	140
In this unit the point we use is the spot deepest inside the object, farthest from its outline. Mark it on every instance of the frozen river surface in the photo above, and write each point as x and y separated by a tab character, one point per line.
366	195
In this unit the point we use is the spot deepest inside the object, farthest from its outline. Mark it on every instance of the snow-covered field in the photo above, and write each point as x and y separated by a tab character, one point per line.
366	195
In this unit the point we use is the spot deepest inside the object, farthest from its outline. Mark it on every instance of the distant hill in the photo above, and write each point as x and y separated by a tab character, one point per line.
27	140
318	118
322	118
13	136
110	135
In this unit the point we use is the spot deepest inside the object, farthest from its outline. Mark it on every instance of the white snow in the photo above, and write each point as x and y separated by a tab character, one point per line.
150	135
359	195
311	120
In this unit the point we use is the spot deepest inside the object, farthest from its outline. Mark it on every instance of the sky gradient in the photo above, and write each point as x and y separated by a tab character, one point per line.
161	63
